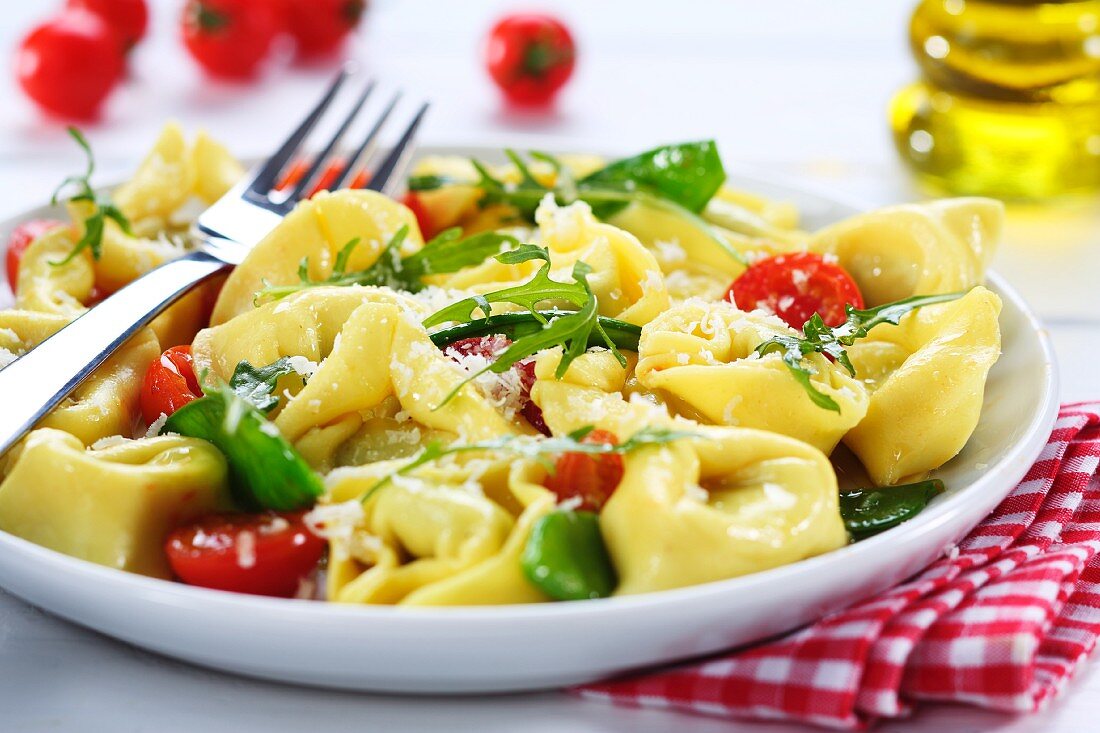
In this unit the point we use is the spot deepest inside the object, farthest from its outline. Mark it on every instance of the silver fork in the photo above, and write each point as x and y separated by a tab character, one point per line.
38	381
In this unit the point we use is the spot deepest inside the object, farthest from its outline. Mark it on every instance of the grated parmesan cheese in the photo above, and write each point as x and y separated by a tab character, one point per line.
6	357
303	366
246	549
109	442
156	426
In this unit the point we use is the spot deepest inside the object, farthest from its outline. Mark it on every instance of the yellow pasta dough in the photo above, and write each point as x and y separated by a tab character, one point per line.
700	356
317	229
915	249
112	506
927	378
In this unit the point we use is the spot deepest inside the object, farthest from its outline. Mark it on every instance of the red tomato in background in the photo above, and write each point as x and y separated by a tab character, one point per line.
423	218
169	384
299	168
319	27
128	18
230	38
21	238
794	287
530	57
70	63
591	478
264	554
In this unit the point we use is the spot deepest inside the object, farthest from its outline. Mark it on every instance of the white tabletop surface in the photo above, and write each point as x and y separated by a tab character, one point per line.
792	87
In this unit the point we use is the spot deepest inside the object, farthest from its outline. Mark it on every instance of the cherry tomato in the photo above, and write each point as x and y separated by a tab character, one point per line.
591	478
530	57
319	27
423	217
794	287
21	237
70	63
230	38
169	384
531	410
488	347
264	554
128	18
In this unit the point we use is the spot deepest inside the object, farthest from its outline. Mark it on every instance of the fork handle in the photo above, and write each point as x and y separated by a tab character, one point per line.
38	381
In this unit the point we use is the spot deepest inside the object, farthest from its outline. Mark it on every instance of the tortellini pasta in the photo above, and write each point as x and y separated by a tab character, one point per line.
927	378
111	505
369	350
700	356
727	502
442	536
47	287
317	229
915	249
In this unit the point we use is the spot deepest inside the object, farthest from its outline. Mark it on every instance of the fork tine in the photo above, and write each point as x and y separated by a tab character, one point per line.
322	157
367	144
264	180
395	161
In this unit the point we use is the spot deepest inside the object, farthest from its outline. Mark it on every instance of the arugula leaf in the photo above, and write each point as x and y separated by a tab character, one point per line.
265	470
448	252
870	511
515	325
541	449
257	384
572	330
102	208
565	557
817	338
538	289
686	175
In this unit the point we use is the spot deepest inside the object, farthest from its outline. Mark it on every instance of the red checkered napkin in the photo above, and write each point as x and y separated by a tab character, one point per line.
1002	624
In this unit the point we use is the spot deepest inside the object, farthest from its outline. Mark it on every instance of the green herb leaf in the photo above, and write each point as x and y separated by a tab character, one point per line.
257	384
446	253
536	448
102	208
516	325
870	511
566	558
539	289
688	174
265	470
573	331
684	174
817	338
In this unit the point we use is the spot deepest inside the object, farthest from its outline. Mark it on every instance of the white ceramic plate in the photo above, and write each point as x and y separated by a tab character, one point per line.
505	648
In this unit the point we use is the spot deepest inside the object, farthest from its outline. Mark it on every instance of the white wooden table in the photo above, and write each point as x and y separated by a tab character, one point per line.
792	87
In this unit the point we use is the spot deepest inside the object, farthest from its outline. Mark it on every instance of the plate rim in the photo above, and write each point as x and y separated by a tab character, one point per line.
1008	470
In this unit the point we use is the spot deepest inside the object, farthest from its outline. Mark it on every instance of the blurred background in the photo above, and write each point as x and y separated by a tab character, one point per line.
794	89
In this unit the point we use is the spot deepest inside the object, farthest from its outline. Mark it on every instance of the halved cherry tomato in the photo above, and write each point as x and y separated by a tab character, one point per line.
299	168
794	287
21	238
591	478
128	18
230	38
169	384
488	347
423	217
70	63
319	27
531	410
530	57
264	554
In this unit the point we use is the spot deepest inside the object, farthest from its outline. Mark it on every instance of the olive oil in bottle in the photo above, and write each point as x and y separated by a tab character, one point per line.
1009	100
